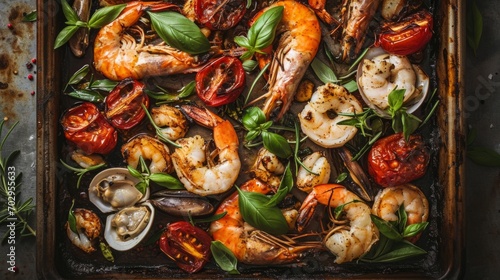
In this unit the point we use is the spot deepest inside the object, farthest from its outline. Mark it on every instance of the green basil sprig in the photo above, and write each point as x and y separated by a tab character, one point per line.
326	75
402	121
262	212
224	257
72	218
88	91
262	32
179	32
392	245
162	179
254	120
100	18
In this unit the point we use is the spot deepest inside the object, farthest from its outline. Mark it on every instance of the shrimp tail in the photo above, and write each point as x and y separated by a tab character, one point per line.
306	212
201	115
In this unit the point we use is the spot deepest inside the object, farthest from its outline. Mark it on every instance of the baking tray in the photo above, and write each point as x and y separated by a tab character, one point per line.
445	260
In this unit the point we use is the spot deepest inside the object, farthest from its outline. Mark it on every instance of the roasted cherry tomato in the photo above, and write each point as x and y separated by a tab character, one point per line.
187	245
123	104
221	81
394	161
219	14
88	129
408	36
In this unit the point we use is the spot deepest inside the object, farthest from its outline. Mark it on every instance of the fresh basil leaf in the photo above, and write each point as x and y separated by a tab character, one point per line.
141	186
86	95
397	124
105	15
70	14
266	125
134	172
386	228
72	218
187	90
395	99
285	187
483	156
351	86
262	32
179	32
414	229
474	24
31	16
402	218
65	35
242	41
410	124
253	117
78	75
400	251
254	212
106	252
324	73
276	144
224	257
104	85
252	134
167	181
250	65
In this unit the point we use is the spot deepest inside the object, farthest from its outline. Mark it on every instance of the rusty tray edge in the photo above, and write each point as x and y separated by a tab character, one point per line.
450	72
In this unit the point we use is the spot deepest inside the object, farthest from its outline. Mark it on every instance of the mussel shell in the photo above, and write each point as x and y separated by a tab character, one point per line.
113	239
116	173
422	83
181	203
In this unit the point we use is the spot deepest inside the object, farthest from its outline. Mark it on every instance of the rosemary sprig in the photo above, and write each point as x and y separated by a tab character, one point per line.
14	210
81	171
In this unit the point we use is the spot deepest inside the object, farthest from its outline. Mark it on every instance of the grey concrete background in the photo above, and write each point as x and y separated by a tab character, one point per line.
482	107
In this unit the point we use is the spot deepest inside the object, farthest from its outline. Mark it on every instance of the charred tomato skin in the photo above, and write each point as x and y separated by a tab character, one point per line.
393	161
221	81
407	36
123	104
219	14
88	129
187	245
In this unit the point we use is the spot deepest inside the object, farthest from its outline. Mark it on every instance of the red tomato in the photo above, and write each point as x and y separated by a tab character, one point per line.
187	245
408	36
123	104
88	129
219	14
394	161
221	81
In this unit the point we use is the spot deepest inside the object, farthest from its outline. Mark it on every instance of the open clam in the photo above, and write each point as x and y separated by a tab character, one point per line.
379	73
114	189
128	227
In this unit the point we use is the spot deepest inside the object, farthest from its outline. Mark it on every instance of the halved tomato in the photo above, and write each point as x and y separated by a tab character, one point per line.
408	36
221	81
123	104
219	14
187	245
393	161
88	129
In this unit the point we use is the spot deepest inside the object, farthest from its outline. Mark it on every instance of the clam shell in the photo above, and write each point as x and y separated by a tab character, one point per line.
114	174
114	240
412	105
